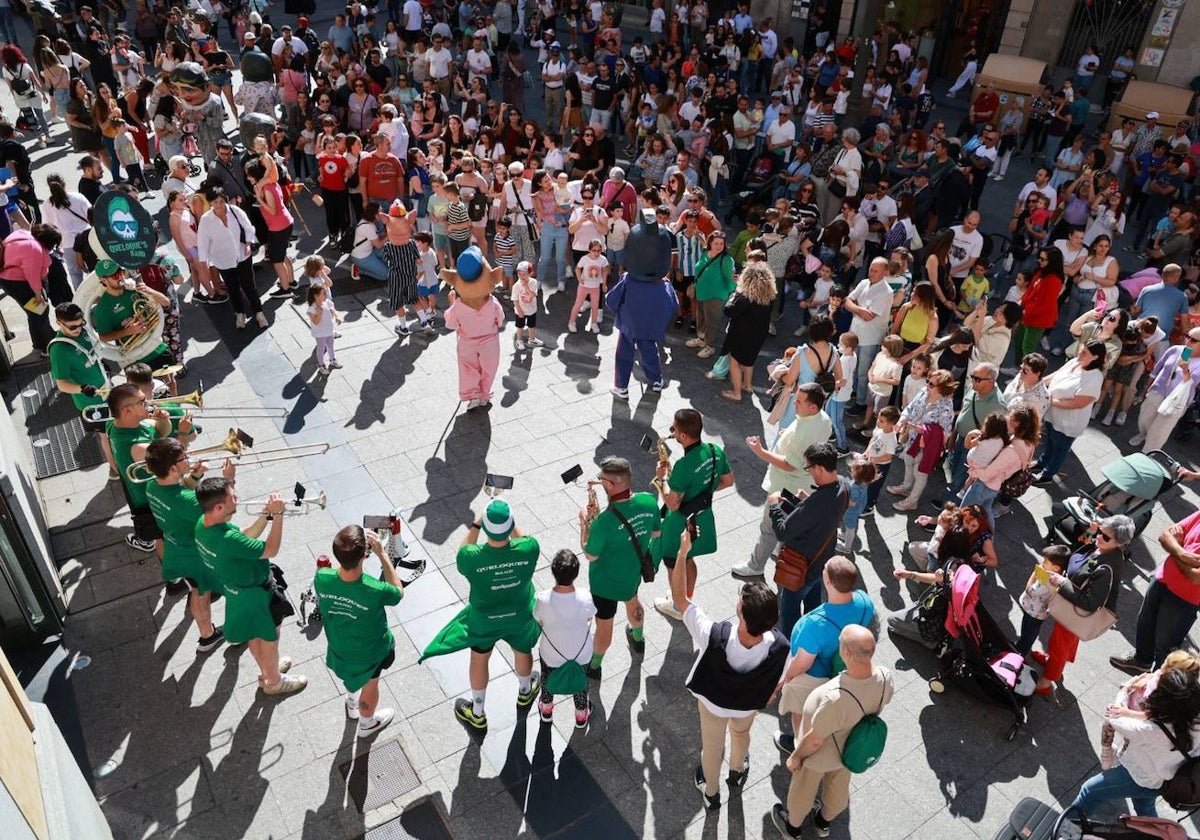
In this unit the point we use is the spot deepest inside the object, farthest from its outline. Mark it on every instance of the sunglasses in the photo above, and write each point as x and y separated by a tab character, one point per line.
976	378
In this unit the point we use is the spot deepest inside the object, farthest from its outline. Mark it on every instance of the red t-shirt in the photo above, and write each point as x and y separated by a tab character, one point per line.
1168	571
333	169
381	176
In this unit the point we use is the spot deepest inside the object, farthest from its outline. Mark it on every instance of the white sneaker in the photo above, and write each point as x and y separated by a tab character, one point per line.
323	370
1108	418
587	307
262	319
667	607
240	322
591	328
572	327
1122	416
288	684
519	345
1137	440
472	405
562	286
371	725
352	707
599	318
536	342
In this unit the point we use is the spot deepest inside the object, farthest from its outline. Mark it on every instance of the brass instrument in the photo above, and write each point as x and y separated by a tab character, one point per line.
162	373
137	472
194	400
593	505
132	348
295	506
664	457
149	313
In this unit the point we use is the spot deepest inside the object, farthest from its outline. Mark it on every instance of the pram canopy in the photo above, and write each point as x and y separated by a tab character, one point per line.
1138	475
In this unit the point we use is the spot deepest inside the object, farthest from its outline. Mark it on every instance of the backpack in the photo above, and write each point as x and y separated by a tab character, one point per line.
825	377
569	677
864	745
1182	791
478	206
21	84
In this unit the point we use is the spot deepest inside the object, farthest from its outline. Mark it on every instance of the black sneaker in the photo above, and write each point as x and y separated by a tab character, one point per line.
280	292
786	742
737	778
678	323
855	410
1042	480
200	297
820	827
593	673
212	642
464	710
937	504
711	803
525	698
779	816
634	644
140	545
176	587
218	299
1128	664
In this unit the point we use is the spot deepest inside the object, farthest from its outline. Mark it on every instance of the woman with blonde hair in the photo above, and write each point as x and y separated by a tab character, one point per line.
749	313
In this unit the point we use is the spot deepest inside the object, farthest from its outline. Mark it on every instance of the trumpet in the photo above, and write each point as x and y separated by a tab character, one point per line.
195	402
162	373
138	473
296	506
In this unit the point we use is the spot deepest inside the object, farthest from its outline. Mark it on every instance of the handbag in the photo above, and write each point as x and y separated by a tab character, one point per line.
1085	625
1176	401
836	187
791	567
280	604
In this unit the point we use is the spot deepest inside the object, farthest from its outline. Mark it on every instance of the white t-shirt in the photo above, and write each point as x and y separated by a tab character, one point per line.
1069	256
658	19
740	659
884	367
1048	191
966	248
849	363
876	297
1072	381
591	270
364	233
566	626
782	130
514	207
298	46
325	328
428	263
882	444
593	227
439	63
912	387
479	63
412	15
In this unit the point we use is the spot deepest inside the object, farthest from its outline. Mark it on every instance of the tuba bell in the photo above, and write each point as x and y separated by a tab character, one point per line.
130	349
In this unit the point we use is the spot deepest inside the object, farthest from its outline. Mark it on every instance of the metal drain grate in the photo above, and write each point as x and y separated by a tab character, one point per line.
379	776
60	441
422	821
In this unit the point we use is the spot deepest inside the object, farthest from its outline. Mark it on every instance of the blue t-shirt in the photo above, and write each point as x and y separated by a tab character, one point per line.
1164	302
818	631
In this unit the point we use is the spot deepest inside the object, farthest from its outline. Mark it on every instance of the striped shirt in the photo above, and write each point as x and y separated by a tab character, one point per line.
690	248
456	214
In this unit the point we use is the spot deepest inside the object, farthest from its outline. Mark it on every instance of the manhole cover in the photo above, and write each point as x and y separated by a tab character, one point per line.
379	776
422	821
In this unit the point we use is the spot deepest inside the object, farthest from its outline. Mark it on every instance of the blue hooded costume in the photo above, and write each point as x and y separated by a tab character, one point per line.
643	302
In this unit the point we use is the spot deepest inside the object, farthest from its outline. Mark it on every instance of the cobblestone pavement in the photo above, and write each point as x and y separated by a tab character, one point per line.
199	752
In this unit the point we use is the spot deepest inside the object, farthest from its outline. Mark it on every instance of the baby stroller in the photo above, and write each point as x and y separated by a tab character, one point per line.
1131	486
977	655
758	185
1034	820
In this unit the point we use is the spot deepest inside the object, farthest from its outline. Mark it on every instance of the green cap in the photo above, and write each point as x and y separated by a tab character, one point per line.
497	521
107	268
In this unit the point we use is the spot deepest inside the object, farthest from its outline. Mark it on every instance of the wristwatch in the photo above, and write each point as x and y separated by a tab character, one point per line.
270	517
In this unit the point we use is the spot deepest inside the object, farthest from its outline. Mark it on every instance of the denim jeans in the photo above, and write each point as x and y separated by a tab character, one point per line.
1162	624
1055	451
809	596
837	416
958	468
554	241
980	494
372	266
1030	627
866	355
1116	784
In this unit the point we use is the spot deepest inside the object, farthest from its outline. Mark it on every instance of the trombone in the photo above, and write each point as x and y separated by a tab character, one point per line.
295	506
139	473
195	403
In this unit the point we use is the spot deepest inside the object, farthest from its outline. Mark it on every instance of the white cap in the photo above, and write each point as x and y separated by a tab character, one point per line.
525	265
1153	115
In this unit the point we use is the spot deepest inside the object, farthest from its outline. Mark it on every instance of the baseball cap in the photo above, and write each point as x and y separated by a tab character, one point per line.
302	21
923	172
556	47
525	265
107	268
777	94
497	520
249	36
1153	115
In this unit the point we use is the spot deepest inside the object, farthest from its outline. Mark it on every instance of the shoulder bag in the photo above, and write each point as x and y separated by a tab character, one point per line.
1085	625
530	219
837	188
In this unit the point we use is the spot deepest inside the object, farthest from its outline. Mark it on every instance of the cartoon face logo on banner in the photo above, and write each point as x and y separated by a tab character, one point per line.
124	230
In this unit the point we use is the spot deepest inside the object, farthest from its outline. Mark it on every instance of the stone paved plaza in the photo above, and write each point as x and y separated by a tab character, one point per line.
197	751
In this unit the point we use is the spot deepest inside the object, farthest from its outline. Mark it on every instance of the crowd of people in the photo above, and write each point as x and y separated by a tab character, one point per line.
908	322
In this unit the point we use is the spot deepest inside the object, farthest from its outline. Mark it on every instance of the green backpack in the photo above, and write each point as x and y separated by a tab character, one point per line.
864	745
569	677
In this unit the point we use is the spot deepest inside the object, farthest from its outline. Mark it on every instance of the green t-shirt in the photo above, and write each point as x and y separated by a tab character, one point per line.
237	565
356	624
123	441
176	511
691	476
617	571
79	364
501	582
111	311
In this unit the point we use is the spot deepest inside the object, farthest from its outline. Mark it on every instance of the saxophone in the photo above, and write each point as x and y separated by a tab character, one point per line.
593	505
664	457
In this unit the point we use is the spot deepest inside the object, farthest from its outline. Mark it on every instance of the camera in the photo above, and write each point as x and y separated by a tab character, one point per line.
129	284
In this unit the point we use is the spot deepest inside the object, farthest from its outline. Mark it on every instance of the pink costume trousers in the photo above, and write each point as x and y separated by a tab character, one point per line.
478	361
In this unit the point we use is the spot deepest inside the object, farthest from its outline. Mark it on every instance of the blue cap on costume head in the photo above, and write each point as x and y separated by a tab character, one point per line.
470	264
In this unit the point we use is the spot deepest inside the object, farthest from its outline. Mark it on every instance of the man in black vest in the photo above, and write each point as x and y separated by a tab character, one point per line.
734	676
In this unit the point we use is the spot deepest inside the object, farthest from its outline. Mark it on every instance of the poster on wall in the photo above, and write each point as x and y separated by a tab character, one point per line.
1152	57
1165	24
800	9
